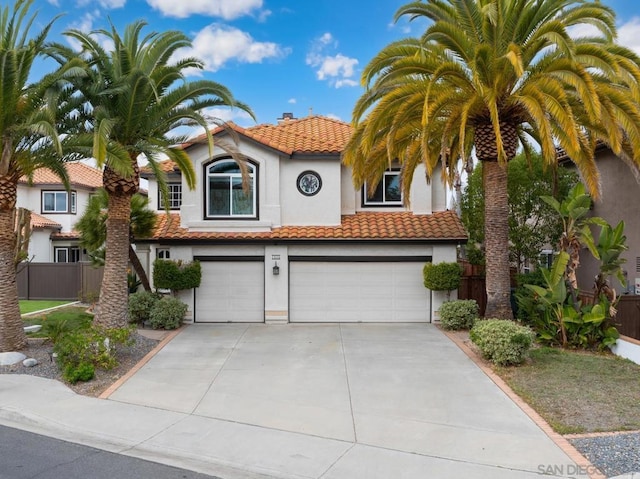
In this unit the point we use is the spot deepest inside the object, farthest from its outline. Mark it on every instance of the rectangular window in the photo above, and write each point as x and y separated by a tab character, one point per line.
388	192
59	202
175	197
61	255
66	254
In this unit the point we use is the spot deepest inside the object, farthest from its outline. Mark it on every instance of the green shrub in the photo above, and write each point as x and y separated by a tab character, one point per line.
90	346
140	306
80	372
167	313
176	275
528	309
459	314
501	341
442	276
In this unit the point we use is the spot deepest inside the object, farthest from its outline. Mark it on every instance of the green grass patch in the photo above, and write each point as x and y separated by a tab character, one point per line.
30	305
579	392
60	321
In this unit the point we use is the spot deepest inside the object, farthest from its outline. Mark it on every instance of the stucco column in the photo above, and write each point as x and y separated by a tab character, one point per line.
276	286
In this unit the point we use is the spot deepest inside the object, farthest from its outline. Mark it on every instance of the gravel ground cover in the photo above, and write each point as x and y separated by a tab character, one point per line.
41	349
613	455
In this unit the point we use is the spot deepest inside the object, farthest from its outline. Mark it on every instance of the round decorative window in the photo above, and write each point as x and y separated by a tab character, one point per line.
309	183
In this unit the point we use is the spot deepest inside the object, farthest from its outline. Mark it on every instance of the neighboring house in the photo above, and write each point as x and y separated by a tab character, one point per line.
300	244
620	188
55	211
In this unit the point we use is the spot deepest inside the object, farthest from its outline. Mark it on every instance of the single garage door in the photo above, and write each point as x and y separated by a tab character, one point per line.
333	291
230	291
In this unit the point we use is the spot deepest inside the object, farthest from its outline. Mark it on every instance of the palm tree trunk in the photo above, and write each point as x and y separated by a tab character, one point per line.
496	237
138	268
12	337
112	305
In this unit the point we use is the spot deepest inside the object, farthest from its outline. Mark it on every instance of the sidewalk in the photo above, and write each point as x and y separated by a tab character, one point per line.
302	401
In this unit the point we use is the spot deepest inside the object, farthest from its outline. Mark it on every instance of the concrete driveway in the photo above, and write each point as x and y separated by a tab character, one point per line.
338	401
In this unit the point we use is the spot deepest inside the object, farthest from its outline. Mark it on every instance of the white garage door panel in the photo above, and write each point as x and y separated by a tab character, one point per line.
351	292
231	291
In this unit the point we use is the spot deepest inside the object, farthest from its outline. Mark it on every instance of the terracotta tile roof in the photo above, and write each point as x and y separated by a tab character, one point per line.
38	221
438	226
79	175
311	135
65	235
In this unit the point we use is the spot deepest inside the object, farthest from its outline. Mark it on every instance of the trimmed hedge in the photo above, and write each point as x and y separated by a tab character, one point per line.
501	341
176	275
167	313
459	314
140	305
442	276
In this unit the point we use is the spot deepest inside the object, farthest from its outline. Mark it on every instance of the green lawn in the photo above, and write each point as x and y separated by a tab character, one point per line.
29	306
579	392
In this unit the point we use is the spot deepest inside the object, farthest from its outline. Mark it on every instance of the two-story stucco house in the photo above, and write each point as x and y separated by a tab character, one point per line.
300	244
54	211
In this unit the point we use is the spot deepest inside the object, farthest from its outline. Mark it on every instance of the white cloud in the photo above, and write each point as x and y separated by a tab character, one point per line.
227	9
333	116
628	34
336	66
112	3
345	82
227	114
55	3
218	44
337	69
292	101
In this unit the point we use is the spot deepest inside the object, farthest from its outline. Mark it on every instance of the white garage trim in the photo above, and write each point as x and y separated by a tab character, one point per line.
358	289
232	290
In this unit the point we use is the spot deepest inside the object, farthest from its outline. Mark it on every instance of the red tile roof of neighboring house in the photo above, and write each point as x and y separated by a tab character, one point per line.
79	175
312	135
65	235
38	221
440	226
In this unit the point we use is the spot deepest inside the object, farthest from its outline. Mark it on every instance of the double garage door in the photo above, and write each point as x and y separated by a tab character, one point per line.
319	291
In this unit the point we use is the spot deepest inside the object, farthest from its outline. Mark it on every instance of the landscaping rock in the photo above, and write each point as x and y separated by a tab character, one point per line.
30	362
33	329
7	359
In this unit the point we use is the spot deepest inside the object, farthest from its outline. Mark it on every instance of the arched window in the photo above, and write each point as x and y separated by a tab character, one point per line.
225	197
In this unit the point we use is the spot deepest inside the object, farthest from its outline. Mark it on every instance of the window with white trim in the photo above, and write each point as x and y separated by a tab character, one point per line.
66	254
163	253
388	191
175	196
58	202
225	197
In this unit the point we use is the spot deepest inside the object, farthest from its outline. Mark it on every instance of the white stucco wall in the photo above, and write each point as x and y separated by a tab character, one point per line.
322	208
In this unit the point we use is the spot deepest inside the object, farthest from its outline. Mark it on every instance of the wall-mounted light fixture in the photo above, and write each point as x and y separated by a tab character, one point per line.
276	269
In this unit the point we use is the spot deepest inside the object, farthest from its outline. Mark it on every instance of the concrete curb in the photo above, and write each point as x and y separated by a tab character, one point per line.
559	440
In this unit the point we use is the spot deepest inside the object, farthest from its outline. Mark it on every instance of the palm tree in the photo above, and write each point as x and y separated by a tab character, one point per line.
496	76
92	227
28	141
135	97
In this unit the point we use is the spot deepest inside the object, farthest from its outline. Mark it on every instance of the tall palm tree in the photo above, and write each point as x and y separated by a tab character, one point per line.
135	98
496	76
28	141
92	227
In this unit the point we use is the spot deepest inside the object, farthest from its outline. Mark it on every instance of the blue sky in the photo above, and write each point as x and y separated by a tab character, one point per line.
277	55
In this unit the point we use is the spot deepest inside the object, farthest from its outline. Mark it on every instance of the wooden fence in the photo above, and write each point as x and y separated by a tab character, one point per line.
70	281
